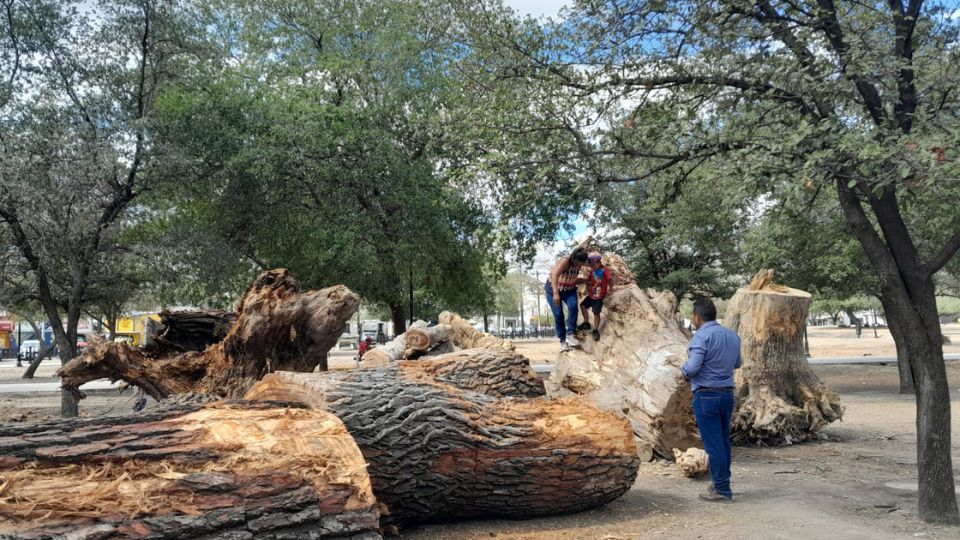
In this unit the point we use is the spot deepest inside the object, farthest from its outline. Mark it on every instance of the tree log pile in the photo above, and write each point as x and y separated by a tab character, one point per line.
419	340
779	398
277	328
453	437
226	470
635	369
461	435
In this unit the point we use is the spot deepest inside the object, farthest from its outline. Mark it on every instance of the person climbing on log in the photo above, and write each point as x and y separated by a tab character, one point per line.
713	356
561	289
597	286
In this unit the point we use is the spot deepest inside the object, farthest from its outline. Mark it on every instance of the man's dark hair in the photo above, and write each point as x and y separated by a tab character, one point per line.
705	309
579	256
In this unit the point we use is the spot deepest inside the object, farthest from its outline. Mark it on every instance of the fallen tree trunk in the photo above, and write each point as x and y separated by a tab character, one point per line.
422	340
779	398
442	443
277	328
635	368
390	351
226	470
466	336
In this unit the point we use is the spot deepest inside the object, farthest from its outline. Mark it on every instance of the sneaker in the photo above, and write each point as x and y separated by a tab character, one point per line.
564	346
584	326
596	335
715	497
574	342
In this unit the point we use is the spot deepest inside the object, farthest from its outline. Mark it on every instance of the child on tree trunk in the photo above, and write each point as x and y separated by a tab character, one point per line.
597	286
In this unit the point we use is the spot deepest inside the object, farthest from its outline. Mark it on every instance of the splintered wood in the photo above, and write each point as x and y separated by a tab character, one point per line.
445	439
779	398
693	462
634	369
224	470
277	328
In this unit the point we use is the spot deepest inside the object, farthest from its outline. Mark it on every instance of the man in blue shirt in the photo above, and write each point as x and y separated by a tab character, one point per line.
713	355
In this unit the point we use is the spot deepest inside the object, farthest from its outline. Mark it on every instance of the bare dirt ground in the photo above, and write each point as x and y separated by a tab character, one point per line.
834	488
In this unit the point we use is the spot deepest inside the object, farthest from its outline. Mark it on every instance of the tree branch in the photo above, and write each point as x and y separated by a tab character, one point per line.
943	256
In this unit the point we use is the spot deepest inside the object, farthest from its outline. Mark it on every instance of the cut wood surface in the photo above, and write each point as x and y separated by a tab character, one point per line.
420	340
693	462
442	446
225	470
277	328
466	336
779	398
390	351
634	369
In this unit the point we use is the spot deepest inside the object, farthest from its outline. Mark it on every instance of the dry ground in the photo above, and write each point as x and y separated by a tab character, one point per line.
834	488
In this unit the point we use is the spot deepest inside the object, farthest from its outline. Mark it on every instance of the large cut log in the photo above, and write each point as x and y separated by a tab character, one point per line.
466	336
183	331
226	470
443	443
779	398
277	328
635	368
422	340
390	351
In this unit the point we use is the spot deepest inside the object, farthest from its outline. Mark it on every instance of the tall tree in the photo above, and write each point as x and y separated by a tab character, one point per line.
75	143
856	99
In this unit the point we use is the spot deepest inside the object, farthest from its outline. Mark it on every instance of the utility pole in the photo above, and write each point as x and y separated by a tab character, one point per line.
537	273
523	327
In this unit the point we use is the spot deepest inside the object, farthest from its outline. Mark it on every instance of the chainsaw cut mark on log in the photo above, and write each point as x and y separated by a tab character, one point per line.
779	398
634	369
276	328
437	451
227	468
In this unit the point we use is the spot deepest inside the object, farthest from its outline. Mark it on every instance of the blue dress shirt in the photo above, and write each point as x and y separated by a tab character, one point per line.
713	355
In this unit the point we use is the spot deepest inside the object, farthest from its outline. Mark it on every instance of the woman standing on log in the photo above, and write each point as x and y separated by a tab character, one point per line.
561	289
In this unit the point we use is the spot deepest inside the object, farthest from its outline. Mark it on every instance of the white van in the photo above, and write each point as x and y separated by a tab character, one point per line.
30	346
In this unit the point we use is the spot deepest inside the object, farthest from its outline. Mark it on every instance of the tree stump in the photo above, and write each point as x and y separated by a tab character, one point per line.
277	328
226	470
634	369
779	398
443	443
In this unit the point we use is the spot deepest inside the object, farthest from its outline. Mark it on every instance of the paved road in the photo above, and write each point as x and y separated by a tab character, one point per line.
30	388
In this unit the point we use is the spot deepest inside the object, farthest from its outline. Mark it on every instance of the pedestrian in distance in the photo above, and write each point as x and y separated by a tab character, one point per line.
597	286
561	290
714	354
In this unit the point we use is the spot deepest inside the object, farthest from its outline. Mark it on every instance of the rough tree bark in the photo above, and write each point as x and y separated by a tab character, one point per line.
225	470
445	437
635	368
779	398
466	336
277	328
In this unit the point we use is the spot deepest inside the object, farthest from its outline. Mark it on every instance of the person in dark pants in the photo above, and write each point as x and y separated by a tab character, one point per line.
714	354
561	290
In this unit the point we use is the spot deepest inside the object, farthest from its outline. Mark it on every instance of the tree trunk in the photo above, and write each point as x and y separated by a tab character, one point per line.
635	368
224	470
398	318
277	328
441	441
903	358
35	363
422	340
779	398
466	336
390	351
